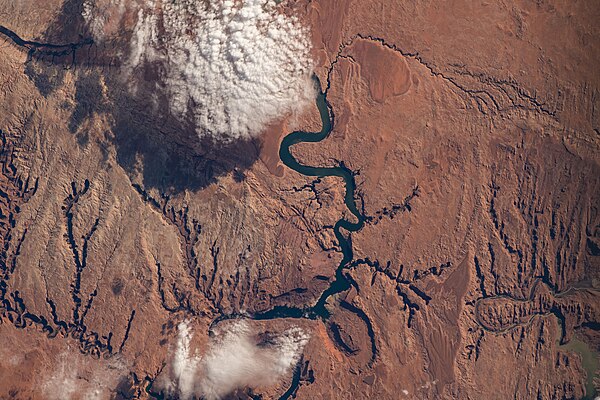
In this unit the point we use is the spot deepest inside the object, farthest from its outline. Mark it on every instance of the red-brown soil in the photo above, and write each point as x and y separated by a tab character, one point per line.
474	133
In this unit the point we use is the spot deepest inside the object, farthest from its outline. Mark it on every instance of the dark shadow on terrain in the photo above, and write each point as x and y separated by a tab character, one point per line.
156	149
45	76
169	154
68	25
126	388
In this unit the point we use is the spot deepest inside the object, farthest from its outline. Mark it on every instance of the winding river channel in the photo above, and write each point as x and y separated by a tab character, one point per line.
341	282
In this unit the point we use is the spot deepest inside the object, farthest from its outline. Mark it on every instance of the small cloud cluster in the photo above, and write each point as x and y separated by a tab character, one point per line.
185	365
233	360
233	66
79	377
103	16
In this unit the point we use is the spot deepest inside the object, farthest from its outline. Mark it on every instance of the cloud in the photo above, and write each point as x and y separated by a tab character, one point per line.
76	376
103	17
185	365
234	359
233	66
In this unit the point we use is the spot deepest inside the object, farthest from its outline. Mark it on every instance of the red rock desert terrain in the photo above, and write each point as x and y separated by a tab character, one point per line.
430	229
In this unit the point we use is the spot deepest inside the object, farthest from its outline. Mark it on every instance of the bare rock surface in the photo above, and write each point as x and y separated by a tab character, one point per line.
128	243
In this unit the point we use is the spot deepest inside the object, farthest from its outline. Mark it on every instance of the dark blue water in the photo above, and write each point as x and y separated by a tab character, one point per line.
340	283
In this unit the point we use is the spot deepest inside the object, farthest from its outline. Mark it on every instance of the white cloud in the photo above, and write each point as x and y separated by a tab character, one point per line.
233	360
76	376
103	16
235	66
61	384
185	364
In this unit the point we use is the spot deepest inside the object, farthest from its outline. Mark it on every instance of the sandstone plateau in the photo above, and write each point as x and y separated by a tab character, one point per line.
470	131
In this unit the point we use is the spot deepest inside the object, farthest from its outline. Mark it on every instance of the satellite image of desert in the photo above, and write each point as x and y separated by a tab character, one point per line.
300	199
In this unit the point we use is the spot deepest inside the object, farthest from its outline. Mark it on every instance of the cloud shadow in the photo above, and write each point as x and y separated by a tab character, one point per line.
151	145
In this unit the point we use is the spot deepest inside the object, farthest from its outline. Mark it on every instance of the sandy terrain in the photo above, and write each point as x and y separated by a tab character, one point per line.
474	134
